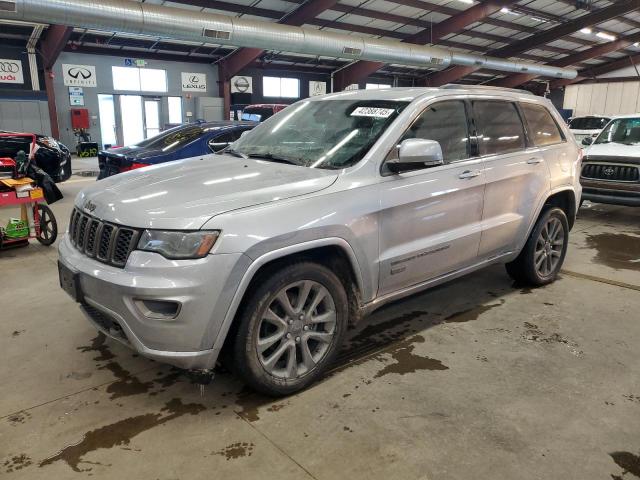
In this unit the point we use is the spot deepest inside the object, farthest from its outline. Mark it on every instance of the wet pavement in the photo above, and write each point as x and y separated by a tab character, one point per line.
479	378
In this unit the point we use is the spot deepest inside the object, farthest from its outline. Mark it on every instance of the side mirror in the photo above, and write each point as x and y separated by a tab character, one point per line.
216	147
416	154
587	141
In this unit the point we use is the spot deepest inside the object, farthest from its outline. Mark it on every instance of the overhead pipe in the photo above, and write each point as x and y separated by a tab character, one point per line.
181	24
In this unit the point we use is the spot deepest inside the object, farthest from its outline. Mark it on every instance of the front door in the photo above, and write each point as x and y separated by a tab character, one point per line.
430	221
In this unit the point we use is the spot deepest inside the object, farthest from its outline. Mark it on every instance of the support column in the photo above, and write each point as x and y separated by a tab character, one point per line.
224	90
51	101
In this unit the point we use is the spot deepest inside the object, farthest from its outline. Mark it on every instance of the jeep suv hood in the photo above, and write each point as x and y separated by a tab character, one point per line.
185	194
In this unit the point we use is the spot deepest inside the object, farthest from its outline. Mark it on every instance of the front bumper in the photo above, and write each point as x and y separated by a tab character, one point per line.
202	288
614	193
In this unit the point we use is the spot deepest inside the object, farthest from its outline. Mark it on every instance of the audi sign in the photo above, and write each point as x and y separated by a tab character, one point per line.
11	71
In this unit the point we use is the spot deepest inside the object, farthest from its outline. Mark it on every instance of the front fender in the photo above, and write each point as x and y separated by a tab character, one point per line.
266	257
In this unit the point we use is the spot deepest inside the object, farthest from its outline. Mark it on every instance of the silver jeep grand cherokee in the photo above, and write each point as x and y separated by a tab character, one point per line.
324	212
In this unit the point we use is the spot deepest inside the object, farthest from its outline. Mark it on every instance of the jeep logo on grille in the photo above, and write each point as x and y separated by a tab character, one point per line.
608	171
89	206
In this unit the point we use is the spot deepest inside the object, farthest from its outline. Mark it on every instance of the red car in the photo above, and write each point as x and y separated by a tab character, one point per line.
261	111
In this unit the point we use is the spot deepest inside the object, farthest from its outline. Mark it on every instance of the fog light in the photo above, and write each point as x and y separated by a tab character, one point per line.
158	309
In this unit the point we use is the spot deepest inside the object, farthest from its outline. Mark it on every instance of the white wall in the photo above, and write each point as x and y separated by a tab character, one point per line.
609	98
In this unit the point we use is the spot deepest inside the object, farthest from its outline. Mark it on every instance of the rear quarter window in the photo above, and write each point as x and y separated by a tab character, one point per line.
543	129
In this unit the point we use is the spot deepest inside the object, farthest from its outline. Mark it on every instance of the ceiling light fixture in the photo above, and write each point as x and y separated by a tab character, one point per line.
606	36
586	30
637	44
470	2
506	10
541	20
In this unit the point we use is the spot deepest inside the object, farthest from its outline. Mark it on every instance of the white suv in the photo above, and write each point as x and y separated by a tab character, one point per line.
323	213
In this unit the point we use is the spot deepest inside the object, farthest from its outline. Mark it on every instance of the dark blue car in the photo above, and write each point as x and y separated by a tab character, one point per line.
184	141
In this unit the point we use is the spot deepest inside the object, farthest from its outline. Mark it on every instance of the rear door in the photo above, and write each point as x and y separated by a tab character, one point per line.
516	175
430	219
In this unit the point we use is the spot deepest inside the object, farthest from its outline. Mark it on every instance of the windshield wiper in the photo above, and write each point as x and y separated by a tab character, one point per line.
233	152
272	158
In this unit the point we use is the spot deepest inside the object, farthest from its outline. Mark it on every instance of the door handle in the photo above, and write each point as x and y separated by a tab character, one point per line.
469	174
534	160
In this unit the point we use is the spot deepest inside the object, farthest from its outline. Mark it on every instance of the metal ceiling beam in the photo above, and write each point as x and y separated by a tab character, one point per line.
244	56
546	36
347	9
595	71
53	42
358	71
598	51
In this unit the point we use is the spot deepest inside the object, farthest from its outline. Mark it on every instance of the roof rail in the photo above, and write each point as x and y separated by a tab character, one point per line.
459	86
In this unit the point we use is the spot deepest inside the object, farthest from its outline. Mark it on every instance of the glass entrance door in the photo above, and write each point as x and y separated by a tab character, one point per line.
107	111
132	119
151	117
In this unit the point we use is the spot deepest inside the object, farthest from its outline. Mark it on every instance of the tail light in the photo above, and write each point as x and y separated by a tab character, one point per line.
133	166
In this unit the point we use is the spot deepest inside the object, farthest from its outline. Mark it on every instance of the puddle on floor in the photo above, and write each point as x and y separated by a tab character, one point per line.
628	462
471	314
120	433
620	251
236	450
405	360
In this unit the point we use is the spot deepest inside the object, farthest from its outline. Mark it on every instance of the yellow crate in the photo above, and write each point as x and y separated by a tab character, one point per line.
36	194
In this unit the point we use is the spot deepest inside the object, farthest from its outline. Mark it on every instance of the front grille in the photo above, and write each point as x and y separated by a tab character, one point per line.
614	173
107	242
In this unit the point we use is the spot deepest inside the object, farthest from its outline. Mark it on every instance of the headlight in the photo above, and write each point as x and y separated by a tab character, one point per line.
178	245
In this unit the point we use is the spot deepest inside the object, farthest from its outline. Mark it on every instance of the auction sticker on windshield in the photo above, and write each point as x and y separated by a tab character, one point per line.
375	112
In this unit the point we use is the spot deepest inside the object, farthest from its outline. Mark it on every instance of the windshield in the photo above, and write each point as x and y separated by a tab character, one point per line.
329	134
172	139
588	123
257	114
622	130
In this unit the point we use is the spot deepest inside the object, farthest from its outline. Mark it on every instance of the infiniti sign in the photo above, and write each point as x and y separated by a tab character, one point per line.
11	71
79	75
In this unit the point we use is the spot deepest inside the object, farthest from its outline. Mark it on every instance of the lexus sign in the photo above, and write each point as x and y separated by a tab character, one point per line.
11	71
79	75
194	82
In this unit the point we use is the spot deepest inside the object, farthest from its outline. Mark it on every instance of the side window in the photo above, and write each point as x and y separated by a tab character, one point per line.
499	127
445	122
221	141
543	130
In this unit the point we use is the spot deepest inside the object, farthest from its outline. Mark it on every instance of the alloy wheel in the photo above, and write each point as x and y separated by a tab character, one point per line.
549	247
296	329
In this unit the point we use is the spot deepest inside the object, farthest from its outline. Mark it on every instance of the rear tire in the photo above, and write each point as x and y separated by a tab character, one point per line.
542	256
290	328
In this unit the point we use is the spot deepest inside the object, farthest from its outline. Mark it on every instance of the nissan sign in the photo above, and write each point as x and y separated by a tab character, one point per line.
194	82
79	75
241	84
11	71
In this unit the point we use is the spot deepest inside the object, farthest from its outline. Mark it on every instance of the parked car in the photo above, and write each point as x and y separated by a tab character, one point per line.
51	156
184	141
316	218
260	112
611	167
588	126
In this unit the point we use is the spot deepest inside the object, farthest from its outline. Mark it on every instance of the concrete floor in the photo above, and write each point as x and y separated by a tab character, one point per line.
476	379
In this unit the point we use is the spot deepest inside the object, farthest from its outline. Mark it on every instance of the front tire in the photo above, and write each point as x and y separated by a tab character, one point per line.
542	256
291	327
